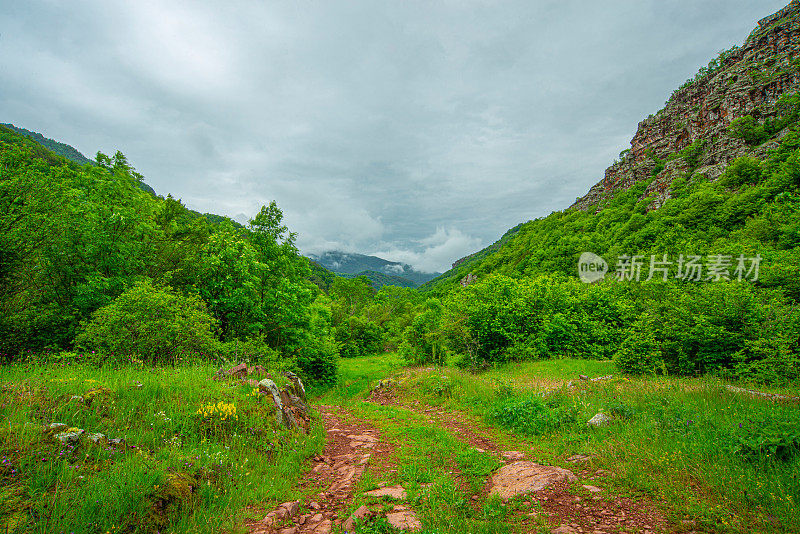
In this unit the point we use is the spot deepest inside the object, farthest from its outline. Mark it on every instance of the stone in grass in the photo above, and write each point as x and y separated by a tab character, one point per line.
599	420
404	520
72	435
282	512
56	427
592	489
361	512
520	478
394	492
97	438
268	386
513	455
575	458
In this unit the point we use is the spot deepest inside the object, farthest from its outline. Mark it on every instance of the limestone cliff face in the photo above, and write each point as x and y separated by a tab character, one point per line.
748	81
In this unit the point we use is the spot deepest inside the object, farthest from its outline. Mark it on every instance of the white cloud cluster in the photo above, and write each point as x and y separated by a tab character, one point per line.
435	252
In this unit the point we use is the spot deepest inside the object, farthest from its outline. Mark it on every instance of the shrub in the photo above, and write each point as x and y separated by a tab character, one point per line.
318	361
532	416
640	353
154	323
768	438
744	170
423	340
749	130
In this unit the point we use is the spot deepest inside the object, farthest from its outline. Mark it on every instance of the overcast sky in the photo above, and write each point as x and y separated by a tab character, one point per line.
415	131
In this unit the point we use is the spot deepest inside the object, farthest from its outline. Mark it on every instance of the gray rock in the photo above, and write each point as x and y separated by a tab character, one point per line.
71	436
599	420
268	386
57	427
97	438
298	388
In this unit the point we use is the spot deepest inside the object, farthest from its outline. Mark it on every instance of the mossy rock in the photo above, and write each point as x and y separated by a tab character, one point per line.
100	394
177	493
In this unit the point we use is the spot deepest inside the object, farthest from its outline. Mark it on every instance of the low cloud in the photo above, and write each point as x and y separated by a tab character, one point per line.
437	252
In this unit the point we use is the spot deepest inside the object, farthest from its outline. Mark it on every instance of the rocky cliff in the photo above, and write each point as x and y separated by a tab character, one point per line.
746	80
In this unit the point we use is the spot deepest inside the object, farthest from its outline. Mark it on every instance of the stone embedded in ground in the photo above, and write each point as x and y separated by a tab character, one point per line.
360	513
323	527
583	377
362	437
513	455
404	520
297	385
288	530
395	492
57	427
97	438
291	507
564	529
239	371
599	420
592	489
578	458
268	386
73	435
523	477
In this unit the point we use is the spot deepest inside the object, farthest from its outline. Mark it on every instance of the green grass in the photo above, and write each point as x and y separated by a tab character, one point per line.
358	375
439	473
728	461
181	471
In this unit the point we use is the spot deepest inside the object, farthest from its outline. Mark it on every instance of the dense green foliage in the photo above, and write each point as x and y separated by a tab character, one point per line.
152	322
83	249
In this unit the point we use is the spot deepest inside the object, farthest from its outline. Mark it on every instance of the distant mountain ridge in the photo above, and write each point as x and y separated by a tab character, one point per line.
62	149
380	271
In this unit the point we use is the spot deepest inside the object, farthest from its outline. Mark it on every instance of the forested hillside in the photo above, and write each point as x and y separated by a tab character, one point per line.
711	183
91	263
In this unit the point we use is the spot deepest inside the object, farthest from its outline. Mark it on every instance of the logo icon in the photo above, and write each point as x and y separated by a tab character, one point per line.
591	267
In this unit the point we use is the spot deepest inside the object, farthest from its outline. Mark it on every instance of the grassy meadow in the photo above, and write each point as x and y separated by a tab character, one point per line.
199	455
720	461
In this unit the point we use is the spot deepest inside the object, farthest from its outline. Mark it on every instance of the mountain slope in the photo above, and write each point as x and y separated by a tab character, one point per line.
711	173
62	149
346	263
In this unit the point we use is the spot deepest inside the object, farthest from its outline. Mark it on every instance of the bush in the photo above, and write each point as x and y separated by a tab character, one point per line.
532	416
749	130
423	340
318	362
640	353
153	323
742	171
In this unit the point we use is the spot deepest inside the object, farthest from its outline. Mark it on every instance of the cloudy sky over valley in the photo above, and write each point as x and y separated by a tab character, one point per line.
415	131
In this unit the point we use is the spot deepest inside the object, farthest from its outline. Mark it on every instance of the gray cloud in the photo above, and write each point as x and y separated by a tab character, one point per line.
419	131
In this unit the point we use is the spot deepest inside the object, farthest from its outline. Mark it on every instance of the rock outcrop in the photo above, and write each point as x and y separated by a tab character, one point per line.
749	80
